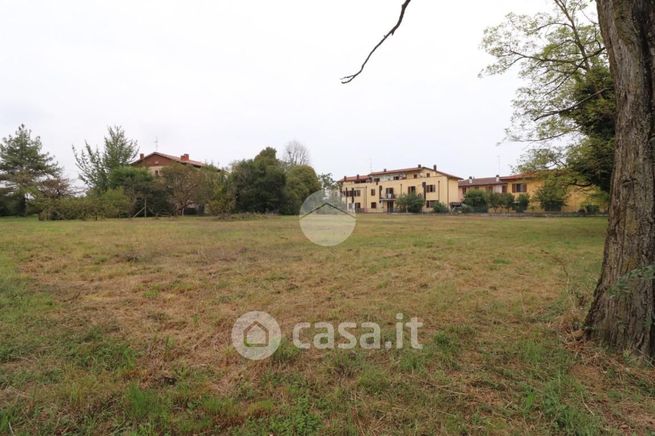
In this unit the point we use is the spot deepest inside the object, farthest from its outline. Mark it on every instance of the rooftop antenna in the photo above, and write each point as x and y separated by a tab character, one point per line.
156	143
370	164
498	164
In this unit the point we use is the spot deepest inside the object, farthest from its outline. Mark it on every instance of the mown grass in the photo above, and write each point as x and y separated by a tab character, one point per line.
123	327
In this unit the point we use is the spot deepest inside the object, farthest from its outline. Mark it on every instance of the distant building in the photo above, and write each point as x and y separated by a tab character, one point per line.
154	162
378	191
525	184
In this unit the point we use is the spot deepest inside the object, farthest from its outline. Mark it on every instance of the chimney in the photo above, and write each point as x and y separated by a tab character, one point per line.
184	157
497	178
385	170
470	179
434	167
357	177
419	165
141	156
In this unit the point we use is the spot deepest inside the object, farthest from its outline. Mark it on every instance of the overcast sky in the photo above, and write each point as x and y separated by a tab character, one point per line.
221	79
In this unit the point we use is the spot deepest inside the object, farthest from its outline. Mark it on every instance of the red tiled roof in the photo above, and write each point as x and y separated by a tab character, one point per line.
174	158
481	181
518	176
485	181
396	171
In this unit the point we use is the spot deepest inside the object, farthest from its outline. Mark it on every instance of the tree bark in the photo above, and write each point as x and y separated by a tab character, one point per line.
622	314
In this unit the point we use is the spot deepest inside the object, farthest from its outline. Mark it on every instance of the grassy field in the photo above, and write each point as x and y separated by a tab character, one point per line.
124	327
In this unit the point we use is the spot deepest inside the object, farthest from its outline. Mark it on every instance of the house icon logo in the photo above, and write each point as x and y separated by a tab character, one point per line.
256	335
326	219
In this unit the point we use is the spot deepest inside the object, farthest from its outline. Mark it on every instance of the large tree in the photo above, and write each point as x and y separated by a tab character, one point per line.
623	311
295	153
95	166
24	167
566	109
622	314
302	181
259	183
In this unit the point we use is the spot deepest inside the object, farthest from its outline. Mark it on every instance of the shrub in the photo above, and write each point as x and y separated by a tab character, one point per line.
439	207
506	201
477	200
466	209
111	204
591	209
522	202
411	202
552	195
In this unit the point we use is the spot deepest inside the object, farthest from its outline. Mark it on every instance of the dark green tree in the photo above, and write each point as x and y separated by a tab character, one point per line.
301	183
96	165
146	193
259	183
24	166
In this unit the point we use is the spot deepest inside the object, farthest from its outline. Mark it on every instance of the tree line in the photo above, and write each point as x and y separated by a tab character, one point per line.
32	182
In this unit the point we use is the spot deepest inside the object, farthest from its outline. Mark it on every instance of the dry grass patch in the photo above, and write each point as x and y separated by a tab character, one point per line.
124	326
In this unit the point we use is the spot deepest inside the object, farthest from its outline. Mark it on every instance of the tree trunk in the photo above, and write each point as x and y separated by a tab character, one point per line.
622	314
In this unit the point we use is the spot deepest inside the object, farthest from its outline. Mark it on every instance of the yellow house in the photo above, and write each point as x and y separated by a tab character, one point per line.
377	192
529	184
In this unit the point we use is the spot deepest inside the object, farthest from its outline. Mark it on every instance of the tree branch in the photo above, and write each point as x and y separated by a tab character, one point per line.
348	79
570	108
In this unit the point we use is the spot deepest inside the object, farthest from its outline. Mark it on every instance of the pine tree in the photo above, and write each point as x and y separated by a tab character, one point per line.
24	166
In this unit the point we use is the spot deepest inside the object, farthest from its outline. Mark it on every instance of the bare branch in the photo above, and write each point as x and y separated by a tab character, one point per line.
348	79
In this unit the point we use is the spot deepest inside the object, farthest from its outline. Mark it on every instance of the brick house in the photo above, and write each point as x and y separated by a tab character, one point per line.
154	162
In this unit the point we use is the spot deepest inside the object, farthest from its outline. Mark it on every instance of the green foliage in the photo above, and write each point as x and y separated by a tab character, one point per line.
222	199
301	183
477	200
411	202
23	168
112	203
259	183
506	201
552	195
142	189
570	91
439	207
184	185
95	166
522	202
327	181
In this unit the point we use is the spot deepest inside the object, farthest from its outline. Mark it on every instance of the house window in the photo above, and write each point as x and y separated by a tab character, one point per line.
427	174
430	188
372	191
374	205
411	190
504	189
415	176
358	207
519	187
157	173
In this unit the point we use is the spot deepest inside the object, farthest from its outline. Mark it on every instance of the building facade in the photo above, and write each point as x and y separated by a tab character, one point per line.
378	192
518	184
